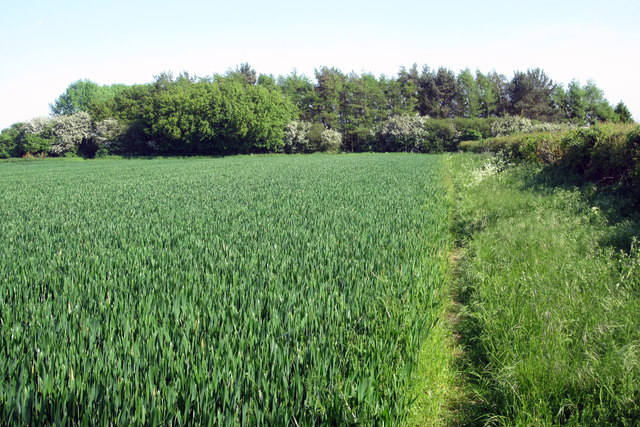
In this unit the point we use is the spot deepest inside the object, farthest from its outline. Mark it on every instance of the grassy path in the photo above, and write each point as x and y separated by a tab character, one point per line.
550	286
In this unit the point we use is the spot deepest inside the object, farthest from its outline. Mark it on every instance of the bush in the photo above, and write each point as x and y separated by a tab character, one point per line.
605	154
296	137
443	135
633	145
71	133
537	147
35	144
36	136
330	141
610	157
481	125
401	133
108	136
305	137
509	125
471	135
9	141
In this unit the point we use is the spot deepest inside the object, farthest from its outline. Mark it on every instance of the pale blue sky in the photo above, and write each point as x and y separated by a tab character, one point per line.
46	45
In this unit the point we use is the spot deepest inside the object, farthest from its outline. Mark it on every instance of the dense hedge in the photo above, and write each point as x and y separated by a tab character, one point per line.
606	154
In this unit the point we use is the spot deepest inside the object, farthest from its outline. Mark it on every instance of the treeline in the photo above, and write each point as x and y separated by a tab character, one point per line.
243	112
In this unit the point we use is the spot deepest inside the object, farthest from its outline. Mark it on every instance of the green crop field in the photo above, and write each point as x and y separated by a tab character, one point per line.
250	290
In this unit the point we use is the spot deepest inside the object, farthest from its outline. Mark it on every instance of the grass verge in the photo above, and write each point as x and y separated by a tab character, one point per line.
549	281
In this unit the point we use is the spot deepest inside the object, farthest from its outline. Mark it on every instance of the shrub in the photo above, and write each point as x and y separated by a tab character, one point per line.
633	145
576	148
296	138
315	135
471	135
443	135
481	125
36	136
305	137
509	125
537	147
610	157
330	140
401	133
108	136
9	141
35	144
551	127
71	132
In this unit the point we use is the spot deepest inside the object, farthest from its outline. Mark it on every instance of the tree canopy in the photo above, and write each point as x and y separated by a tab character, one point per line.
243	111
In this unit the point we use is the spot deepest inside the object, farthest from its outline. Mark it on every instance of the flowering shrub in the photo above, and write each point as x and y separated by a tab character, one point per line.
70	132
69	135
330	140
509	125
401	133
36	136
305	137
296	138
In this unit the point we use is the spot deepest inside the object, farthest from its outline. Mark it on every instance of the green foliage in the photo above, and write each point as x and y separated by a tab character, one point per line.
488	94
305	137
623	115
66	135
246	112
182	118
315	134
576	103
509	125
598	108
32	143
84	95
443	135
10	141
403	92
109	135
601	153
552	315
244	73
469	94
224	116
330	141
473	125
253	118
401	133
415	133
605	154
242	290
440	94
35	136
301	91
329	88
471	135
531	94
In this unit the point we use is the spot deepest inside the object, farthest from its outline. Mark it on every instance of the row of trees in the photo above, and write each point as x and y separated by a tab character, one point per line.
242	111
337	98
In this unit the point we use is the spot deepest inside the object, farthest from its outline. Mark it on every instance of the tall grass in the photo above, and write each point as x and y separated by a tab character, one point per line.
552	320
246	290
